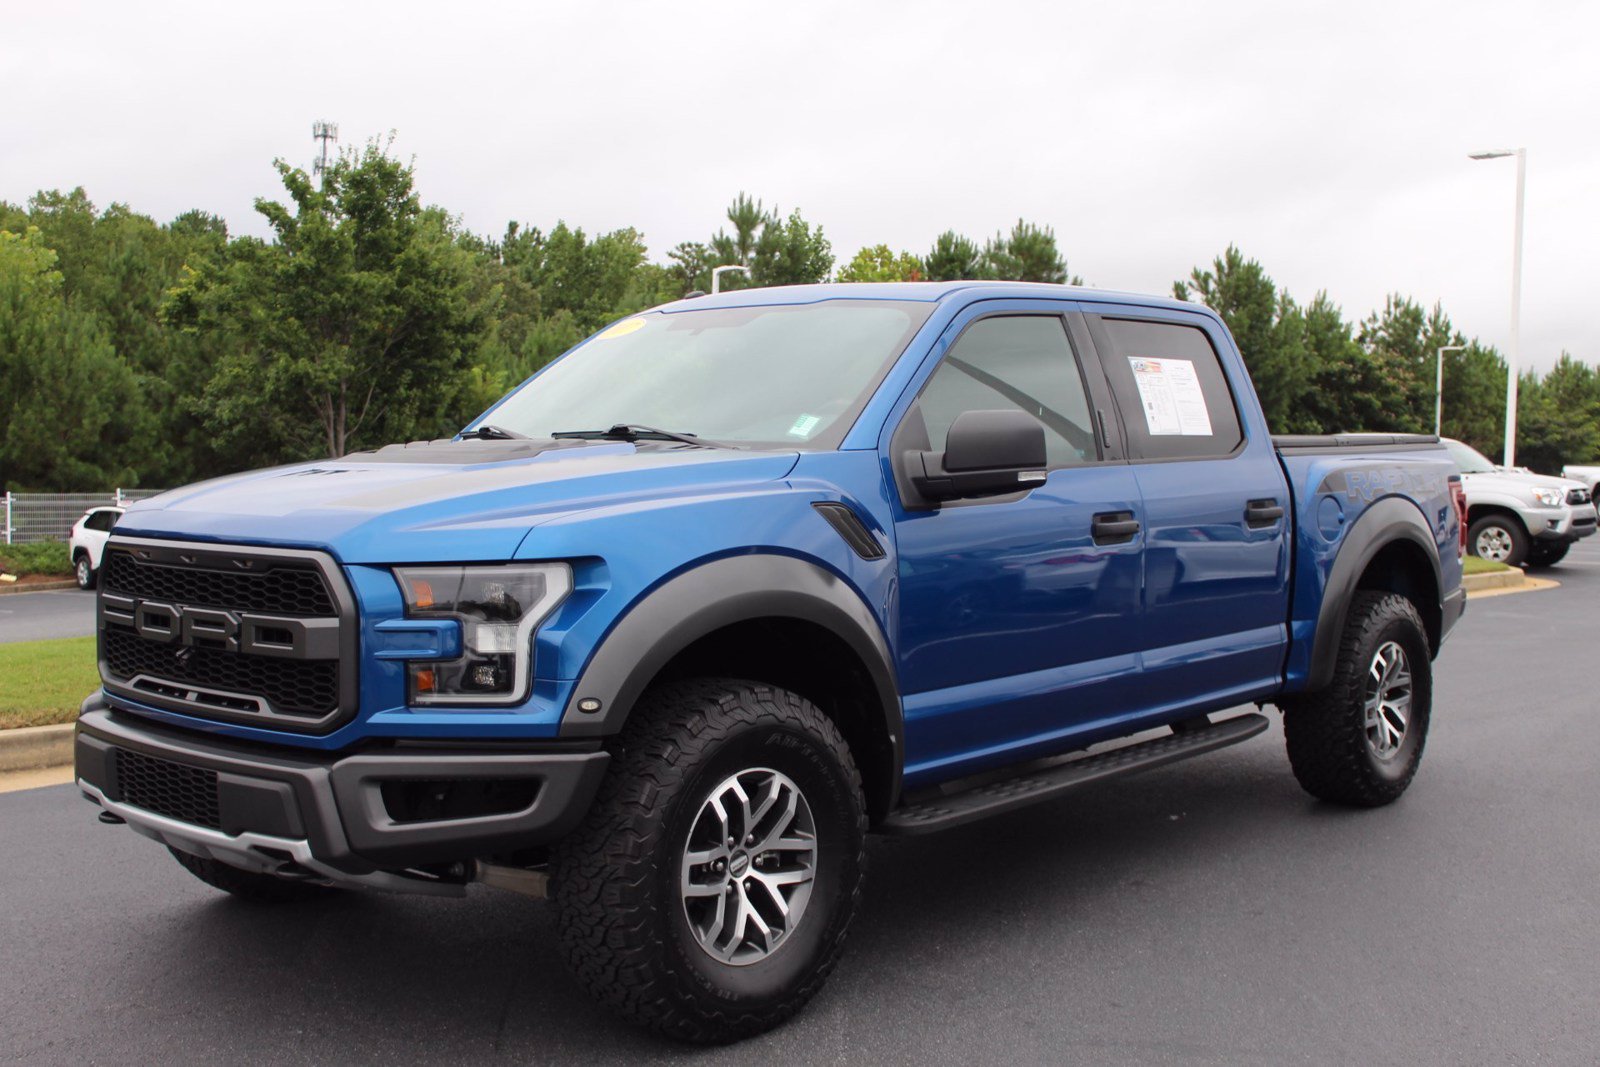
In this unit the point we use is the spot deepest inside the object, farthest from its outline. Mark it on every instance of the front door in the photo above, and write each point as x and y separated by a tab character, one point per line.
1018	615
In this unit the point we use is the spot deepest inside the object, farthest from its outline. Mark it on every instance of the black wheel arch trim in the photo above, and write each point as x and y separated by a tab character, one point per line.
1381	525
720	593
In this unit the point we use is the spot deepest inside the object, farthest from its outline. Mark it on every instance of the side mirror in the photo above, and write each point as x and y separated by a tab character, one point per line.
986	453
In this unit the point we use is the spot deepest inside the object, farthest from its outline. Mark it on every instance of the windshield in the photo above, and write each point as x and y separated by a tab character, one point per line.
793	376
1469	459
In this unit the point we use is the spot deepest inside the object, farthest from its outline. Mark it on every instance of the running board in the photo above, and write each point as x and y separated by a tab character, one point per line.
994	798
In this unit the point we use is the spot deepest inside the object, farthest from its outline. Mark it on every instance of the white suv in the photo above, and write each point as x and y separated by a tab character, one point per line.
1515	517
88	542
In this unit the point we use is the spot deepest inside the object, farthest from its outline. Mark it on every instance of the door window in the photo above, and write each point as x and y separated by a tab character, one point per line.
1171	388
1014	361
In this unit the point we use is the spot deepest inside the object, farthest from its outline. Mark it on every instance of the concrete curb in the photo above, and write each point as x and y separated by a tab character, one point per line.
30	747
37	587
1477	583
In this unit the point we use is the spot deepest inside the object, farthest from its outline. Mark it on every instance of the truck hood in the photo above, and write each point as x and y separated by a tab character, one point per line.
1514	482
441	500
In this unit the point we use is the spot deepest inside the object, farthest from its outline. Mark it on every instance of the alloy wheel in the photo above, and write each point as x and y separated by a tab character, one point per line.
1388	700
748	866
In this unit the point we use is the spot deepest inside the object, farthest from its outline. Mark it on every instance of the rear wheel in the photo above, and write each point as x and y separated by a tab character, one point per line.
1542	555
83	572
248	885
708	891
1499	538
1359	740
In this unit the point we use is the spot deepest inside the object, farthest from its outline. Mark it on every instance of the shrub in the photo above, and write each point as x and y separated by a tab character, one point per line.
45	557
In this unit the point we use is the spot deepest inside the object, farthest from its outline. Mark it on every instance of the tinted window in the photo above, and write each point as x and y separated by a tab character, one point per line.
789	375
1174	397
102	520
1022	362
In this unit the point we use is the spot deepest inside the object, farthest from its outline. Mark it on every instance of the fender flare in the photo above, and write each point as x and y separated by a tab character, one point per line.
708	597
1381	525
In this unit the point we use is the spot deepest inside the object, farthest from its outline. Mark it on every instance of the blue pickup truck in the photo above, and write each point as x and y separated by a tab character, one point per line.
740	580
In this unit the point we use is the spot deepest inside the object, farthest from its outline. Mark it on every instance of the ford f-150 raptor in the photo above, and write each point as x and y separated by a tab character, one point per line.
740	580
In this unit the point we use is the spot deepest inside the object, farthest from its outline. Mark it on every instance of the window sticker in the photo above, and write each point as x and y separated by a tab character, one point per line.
804	425
1173	402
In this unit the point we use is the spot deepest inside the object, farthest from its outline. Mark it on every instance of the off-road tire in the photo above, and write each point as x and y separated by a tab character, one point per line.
616	879
1514	533
1325	731
83	571
248	885
1541	555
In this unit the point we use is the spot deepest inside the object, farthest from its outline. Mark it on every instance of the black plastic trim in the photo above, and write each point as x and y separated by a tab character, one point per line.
848	525
1381	525
345	643
1333	443
334	802
717	594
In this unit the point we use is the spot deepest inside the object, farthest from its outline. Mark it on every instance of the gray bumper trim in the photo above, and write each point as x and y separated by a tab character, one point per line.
255	852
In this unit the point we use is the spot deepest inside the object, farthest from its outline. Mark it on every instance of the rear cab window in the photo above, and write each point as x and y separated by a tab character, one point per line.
1170	386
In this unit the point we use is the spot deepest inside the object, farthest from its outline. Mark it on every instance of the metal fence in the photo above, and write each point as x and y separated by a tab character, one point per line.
33	517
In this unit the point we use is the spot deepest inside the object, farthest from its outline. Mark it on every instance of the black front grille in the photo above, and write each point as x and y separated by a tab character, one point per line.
277	589
1577	496
178	791
307	687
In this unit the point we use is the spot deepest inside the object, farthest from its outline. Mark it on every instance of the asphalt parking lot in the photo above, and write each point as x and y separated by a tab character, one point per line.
37	616
1205	913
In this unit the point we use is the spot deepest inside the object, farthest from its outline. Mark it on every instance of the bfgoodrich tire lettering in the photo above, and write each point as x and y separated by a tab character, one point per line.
618	880
1359	740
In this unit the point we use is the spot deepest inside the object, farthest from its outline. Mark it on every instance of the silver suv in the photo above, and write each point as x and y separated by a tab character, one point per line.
1516	517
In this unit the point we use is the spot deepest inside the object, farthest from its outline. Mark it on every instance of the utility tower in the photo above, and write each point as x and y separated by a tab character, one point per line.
324	132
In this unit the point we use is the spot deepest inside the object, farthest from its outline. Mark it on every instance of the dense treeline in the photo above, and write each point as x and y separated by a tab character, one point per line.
139	353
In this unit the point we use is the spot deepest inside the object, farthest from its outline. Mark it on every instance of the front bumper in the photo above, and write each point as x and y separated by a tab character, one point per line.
1562	525
329	817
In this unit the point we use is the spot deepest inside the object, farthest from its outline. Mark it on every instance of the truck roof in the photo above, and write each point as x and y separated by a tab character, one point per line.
929	292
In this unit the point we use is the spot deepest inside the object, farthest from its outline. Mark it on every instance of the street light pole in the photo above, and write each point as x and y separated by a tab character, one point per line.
716	276
1513	369
1438	389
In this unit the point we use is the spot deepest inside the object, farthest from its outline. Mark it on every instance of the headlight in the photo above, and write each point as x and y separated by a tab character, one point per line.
498	608
1550	498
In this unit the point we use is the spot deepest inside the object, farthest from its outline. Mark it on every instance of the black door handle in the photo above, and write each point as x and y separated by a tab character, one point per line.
1113	527
1259	513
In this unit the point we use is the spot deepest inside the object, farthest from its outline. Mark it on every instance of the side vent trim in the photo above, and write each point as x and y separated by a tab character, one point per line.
848	525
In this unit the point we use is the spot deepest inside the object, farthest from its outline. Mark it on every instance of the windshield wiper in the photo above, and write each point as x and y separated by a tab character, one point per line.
632	431
489	432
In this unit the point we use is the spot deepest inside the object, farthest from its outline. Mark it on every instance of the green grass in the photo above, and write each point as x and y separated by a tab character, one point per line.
1474	565
42	682
46	557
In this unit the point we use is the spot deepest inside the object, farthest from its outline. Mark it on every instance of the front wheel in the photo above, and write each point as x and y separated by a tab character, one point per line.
83	572
1500	539
1359	740
708	891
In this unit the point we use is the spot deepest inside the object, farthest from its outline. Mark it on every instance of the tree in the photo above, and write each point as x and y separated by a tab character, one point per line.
791	252
880	263
1348	389
952	258
1558	416
1266	325
67	402
354	326
1027	254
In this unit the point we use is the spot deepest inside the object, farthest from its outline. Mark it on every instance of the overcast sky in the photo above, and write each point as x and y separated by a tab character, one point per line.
1329	141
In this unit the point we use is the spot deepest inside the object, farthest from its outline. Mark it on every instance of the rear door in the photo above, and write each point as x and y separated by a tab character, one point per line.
1216	506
